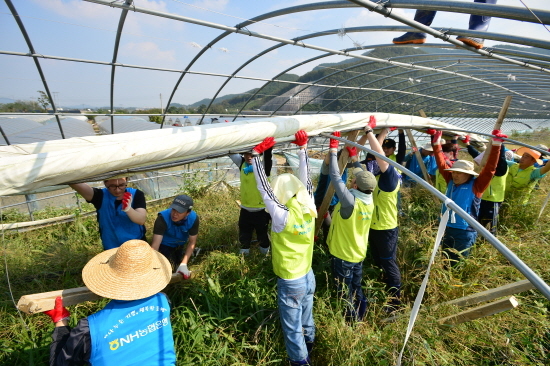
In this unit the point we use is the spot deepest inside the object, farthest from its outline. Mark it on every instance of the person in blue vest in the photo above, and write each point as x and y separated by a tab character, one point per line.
477	23
252	216
412	164
121	210
134	328
289	201
349	232
465	187
174	227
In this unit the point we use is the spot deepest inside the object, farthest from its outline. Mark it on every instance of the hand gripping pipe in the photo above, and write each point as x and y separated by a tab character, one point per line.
507	253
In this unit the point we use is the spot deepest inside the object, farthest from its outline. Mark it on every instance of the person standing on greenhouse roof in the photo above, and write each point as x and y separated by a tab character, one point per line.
465	187
252	216
477	23
121	210
134	328
289	201
523	176
348	235
175	226
494	195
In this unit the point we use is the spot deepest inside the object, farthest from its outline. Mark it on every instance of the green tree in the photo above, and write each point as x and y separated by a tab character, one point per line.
43	100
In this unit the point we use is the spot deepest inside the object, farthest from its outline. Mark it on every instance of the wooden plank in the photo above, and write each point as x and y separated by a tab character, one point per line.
491	294
498	125
352	136
38	303
480	311
418	157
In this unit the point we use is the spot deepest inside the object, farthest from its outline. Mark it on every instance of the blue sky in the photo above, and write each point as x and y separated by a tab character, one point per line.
83	30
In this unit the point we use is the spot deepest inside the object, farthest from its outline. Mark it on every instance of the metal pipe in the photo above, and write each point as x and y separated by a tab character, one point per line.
507	253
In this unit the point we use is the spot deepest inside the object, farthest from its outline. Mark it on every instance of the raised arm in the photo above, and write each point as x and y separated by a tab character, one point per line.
347	201
402	147
84	189
375	144
488	171
303	168
440	160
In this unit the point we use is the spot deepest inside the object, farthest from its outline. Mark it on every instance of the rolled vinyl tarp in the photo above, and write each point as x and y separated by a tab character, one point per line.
27	167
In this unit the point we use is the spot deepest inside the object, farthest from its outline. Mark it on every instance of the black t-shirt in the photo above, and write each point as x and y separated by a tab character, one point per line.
137	202
161	226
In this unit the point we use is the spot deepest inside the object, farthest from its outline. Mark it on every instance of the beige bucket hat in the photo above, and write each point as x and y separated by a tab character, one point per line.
131	272
463	166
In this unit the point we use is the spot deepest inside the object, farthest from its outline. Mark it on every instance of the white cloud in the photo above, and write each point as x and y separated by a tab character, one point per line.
216	5
148	51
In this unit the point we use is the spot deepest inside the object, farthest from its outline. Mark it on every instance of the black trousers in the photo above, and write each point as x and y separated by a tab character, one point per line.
253	221
488	214
173	254
383	246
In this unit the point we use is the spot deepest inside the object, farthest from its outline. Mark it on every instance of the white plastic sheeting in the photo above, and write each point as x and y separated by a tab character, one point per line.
27	167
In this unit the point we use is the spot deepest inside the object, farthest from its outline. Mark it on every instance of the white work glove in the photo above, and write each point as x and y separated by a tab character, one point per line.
127	201
184	271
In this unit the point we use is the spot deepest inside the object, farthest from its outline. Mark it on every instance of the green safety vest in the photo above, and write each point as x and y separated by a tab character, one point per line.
385	208
440	182
519	184
250	196
495	191
348	238
293	247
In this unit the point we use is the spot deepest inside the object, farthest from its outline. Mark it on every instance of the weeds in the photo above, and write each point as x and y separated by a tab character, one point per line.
227	314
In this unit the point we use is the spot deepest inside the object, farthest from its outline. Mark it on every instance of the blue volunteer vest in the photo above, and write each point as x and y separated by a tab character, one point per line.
464	196
115	226
175	235
135	332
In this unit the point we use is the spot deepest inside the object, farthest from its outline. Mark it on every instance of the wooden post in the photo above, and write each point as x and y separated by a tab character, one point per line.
480	311
352	136
498	125
38	303
491	294
418	157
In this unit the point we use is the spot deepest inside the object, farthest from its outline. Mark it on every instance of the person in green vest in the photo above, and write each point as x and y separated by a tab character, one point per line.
252	216
523	176
384	231
492	198
348	233
289	201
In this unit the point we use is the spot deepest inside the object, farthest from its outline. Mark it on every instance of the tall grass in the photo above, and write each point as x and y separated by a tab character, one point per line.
227	313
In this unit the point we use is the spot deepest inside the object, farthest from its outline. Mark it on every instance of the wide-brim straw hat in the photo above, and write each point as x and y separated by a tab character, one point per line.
428	147
131	272
534	153
463	166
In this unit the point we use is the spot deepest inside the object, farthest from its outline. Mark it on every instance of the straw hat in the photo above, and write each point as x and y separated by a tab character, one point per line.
463	166
131	272
428	147
534	153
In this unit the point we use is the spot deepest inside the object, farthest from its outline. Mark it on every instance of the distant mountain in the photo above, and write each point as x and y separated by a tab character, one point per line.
6	100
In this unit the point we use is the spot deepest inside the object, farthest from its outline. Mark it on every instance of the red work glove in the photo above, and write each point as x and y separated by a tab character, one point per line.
436	137
127	199
414	149
300	138
391	128
266	144
352	151
498	135
184	271
58	312
371	125
333	143
466	139
431	131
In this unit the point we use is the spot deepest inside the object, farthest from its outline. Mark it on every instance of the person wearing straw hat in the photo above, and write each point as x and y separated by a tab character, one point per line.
493	196
252	216
348	234
289	201
174	227
523	175
121	210
465	187
134	328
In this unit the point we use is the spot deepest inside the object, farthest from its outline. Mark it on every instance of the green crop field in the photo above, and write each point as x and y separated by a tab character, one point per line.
227	315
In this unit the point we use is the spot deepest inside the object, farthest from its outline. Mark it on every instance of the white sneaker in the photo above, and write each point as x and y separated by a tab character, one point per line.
264	251
244	251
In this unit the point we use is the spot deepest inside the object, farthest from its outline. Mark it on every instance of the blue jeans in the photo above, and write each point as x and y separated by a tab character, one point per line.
295	301
347	278
459	240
